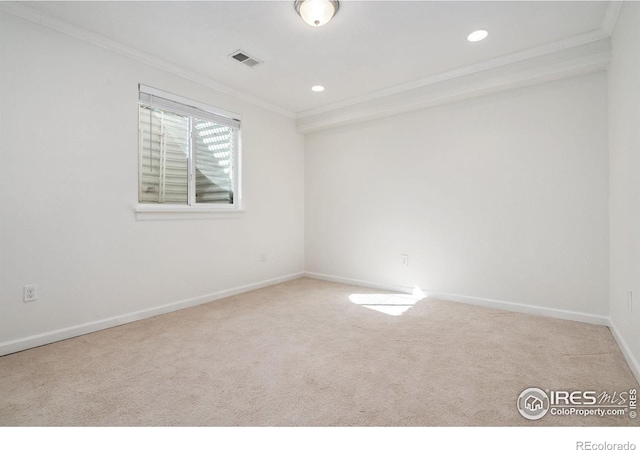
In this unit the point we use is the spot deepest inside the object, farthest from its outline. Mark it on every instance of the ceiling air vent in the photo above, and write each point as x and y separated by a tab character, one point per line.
245	59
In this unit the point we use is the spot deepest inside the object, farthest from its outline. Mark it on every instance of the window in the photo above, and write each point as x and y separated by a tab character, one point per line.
188	153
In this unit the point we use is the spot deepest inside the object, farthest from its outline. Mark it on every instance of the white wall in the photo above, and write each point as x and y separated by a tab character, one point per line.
68	186
624	170
502	197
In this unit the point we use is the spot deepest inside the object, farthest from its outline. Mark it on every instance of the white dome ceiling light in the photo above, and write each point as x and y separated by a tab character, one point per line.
317	12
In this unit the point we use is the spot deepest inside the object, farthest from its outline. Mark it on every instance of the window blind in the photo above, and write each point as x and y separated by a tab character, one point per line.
164	163
187	153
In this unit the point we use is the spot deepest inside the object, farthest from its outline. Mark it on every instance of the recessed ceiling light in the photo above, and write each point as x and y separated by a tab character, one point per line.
477	35
317	88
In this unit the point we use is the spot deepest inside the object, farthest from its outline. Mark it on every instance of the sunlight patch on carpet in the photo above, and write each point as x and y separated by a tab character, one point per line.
390	304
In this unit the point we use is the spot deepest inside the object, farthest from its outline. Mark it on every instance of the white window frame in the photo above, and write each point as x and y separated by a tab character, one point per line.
187	106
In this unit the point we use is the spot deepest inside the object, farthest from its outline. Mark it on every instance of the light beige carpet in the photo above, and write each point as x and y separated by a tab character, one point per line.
302	353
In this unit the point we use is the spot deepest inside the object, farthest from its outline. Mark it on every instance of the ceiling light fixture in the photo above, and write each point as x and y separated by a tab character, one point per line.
477	35
317	88
316	12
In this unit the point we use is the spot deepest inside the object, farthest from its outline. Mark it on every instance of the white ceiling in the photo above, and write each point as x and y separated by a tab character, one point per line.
370	46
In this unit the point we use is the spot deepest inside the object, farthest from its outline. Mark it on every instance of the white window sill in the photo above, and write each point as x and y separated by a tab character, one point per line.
180	212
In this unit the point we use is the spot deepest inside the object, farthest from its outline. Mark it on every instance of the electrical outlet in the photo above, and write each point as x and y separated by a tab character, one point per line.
30	292
263	257
405	260
630	300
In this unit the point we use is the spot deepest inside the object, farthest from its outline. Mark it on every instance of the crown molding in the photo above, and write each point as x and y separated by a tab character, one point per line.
526	73
506	60
578	54
31	15
611	17
361	108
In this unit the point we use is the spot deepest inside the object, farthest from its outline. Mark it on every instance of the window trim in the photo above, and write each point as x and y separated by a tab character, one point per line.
191	108
150	211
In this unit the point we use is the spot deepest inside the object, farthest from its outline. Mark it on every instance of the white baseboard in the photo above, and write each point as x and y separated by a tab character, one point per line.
523	308
369	284
594	319
634	365
498	304
78	330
